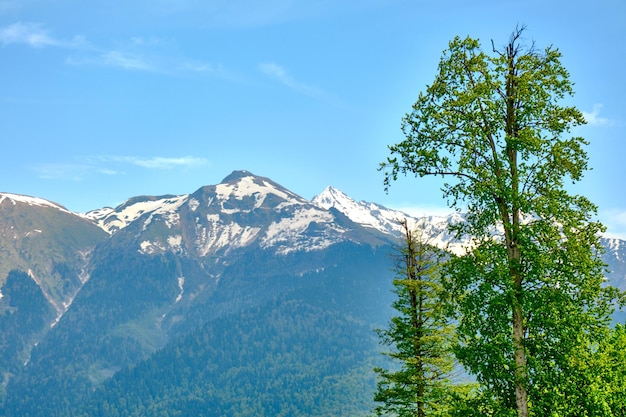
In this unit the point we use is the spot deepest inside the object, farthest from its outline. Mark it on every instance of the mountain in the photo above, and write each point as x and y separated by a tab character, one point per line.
436	229
388	220
47	241
241	299
245	261
44	258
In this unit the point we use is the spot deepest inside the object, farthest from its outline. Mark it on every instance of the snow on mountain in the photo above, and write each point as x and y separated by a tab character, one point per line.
615	245
245	209
367	214
214	233
242	210
242	184
113	220
388	220
31	201
97	214
298	224
295	233
615	257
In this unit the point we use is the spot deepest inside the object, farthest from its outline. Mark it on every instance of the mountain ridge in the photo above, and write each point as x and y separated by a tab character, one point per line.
167	273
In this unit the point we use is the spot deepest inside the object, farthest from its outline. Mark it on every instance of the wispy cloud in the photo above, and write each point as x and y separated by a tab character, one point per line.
203	67
280	74
125	60
136	54
593	118
71	172
35	36
135	60
113	165
157	162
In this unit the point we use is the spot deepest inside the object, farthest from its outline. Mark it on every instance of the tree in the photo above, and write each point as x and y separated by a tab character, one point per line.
420	335
529	291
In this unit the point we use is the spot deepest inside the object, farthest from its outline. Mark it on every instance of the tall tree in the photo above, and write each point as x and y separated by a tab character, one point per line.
420	335
529	291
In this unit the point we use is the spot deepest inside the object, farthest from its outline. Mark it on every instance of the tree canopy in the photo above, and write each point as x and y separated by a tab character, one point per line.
528	294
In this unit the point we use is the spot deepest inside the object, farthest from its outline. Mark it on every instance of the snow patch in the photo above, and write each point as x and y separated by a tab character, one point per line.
366	214
251	186
115	220
33	232
615	246
148	248
181	283
31	201
193	204
175	242
388	220
218	234
288	234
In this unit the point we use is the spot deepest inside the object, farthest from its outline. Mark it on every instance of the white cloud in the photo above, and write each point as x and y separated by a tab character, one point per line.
594	119
126	61
136	54
202	67
26	33
34	35
107	171
277	72
157	162
72	172
96	165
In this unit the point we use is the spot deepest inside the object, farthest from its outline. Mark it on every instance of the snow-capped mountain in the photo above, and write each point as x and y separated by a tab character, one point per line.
615	259
16	199
111	220
144	274
388	220
242	210
48	242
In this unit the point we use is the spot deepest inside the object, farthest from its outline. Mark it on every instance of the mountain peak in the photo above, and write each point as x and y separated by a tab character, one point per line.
237	175
31	201
332	197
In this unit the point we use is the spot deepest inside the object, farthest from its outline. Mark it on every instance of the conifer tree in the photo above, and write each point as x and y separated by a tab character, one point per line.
420	336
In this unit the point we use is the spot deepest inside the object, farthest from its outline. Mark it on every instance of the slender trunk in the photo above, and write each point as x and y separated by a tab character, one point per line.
512	235
521	396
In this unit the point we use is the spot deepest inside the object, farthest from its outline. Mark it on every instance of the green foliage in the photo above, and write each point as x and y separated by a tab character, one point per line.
89	343
529	293
280	335
285	358
53	244
420	336
25	315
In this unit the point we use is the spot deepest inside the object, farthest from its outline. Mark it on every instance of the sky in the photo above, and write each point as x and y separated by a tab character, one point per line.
103	101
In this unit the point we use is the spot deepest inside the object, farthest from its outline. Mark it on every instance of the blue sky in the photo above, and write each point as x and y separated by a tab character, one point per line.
102	101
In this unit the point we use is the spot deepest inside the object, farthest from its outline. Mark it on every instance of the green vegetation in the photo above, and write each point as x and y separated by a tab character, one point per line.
269	340
420	336
529	295
25	315
285	358
53	244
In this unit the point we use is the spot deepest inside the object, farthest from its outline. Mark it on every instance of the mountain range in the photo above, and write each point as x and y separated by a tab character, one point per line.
239	299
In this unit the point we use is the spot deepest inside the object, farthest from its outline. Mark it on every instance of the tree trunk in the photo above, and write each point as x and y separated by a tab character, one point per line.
521	396
520	372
